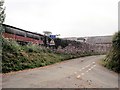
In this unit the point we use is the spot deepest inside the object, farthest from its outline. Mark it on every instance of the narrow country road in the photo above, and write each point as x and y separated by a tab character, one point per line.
85	72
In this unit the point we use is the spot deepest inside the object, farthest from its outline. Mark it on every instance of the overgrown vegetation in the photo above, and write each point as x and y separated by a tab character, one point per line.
61	42
112	59
2	18
17	57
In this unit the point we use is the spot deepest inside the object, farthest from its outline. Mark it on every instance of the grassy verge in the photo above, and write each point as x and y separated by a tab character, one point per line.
112	59
16	57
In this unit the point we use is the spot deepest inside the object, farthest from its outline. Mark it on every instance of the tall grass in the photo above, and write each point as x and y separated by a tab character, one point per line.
16	57
112	59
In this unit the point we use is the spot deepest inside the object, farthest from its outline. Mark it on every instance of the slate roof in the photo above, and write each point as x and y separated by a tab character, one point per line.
100	39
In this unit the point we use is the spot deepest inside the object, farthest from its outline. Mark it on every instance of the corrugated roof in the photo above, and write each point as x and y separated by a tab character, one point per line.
22	29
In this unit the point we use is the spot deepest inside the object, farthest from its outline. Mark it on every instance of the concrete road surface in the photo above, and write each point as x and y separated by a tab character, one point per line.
85	72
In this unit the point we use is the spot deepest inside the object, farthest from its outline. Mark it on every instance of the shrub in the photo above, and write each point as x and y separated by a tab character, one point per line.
112	59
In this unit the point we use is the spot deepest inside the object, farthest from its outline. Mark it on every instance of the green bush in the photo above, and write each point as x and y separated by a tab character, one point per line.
112	59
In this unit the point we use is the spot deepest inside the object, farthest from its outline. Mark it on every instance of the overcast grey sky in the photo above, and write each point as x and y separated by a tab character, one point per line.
70	18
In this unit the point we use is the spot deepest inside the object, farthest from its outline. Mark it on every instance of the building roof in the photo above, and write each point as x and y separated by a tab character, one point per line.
100	39
22	29
93	39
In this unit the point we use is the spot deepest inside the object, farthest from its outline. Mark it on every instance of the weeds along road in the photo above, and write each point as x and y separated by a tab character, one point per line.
85	72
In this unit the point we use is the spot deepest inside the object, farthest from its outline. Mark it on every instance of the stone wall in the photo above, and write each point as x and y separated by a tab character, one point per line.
85	47
101	48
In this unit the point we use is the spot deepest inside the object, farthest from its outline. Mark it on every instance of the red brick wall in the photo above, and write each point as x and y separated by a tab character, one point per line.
21	38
